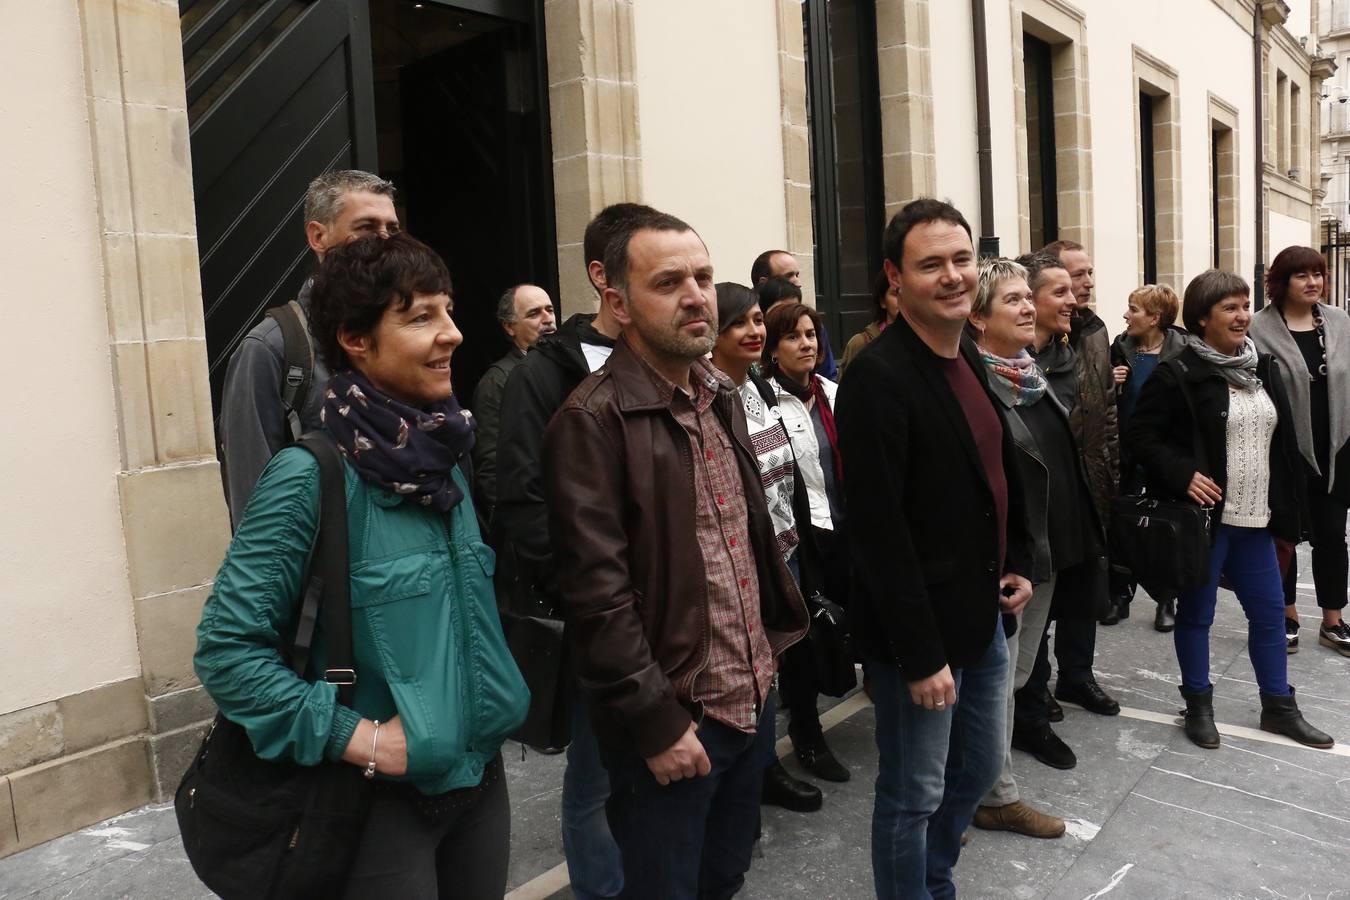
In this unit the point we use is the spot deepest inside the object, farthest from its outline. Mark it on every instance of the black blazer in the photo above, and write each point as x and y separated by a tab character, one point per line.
1161	437
922	523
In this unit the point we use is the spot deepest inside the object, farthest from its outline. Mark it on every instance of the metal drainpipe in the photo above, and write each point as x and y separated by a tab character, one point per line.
1259	270
983	131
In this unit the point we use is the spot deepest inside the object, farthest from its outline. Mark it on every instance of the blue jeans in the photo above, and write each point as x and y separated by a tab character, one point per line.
593	861
691	838
1247	557
934	768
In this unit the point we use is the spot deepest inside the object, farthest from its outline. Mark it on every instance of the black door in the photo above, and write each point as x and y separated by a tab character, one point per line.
471	184
278	91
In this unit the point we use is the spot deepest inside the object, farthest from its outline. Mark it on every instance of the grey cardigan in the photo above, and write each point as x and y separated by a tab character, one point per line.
1271	335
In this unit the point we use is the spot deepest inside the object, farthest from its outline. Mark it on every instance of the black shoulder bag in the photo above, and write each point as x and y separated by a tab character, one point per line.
256	828
1165	543
827	640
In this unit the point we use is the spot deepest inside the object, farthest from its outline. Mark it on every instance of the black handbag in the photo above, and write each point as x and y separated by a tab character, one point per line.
256	828
831	647
537	638
1164	542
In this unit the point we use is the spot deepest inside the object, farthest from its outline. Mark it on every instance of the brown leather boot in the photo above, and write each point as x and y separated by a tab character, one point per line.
1020	818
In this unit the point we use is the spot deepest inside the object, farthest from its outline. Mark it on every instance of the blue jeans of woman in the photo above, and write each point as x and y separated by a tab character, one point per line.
934	768
593	861
1247	557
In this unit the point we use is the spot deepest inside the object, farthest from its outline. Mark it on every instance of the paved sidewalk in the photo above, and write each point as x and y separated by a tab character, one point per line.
1150	815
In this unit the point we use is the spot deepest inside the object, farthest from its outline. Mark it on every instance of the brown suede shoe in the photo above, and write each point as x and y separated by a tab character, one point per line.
1020	818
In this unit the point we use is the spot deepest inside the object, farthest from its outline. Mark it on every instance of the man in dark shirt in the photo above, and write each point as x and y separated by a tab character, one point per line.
939	547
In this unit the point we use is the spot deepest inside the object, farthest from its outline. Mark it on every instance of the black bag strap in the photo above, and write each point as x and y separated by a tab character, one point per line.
1201	457
329	577
299	360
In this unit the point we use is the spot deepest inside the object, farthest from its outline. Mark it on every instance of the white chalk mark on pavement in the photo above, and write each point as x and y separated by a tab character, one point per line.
1116	879
1081	829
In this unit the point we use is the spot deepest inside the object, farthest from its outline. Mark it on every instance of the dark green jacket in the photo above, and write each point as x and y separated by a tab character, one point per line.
426	636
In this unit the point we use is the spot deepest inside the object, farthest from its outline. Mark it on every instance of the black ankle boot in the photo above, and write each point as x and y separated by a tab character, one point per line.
1280	715
1166	617
1199	716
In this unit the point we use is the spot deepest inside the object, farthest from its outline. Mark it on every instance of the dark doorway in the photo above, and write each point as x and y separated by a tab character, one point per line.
1148	189
847	196
447	100
463	132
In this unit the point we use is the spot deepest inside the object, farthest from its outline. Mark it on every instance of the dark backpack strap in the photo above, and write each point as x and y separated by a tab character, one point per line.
765	389
299	361
328	584
1201	457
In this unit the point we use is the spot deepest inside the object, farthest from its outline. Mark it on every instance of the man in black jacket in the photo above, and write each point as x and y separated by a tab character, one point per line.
535	390
939	550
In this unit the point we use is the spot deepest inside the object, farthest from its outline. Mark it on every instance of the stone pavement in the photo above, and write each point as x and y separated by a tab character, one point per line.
1150	815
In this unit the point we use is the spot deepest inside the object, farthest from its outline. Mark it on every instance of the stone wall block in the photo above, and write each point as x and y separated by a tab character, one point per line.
151	53
121	282
112	171
161	170
573	280
9	832
628	120
176	526
135	421
571	196
177	709
180	393
902	22
610	133
103	714
170	755
601	33
562	31
791	33
30	736
171	288
796	154
57	797
799	216
567	107
166	630
102	72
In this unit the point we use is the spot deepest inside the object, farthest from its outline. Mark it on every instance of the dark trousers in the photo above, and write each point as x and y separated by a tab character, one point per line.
798	682
1330	560
465	856
691	838
1075	645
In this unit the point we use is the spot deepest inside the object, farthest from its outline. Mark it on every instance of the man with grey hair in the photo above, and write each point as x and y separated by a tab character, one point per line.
525	313
273	384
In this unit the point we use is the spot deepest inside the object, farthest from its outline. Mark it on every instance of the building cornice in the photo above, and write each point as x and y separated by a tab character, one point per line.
1323	67
1274	12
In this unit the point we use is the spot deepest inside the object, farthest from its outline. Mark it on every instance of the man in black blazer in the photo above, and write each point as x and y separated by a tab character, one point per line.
939	548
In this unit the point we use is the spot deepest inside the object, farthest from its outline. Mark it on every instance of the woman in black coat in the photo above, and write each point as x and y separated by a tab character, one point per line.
1214	424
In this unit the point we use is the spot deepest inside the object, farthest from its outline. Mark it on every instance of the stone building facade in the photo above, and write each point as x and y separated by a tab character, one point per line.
764	123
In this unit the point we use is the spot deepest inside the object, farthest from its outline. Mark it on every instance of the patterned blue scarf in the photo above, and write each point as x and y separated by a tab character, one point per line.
1020	374
409	451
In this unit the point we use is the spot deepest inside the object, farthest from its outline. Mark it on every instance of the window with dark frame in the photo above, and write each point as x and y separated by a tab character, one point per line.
1043	186
1215	137
847	191
1148	189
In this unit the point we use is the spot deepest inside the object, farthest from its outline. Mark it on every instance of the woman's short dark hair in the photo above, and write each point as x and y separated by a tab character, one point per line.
781	320
1204	291
358	281
881	285
774	289
1287	263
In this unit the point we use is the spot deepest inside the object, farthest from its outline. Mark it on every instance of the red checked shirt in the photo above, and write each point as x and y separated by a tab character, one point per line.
740	666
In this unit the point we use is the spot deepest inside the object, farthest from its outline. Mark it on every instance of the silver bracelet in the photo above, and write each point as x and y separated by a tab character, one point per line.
374	742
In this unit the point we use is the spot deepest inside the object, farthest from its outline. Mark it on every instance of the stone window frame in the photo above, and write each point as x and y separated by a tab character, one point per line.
801	241
1064	27
905	79
1223	116
1158	79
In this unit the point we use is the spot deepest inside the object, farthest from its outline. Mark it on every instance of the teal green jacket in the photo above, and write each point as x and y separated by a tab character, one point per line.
426	635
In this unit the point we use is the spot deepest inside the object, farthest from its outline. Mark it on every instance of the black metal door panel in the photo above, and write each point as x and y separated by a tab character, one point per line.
278	91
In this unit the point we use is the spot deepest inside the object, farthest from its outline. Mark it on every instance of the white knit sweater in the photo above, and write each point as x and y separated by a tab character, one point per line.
1250	428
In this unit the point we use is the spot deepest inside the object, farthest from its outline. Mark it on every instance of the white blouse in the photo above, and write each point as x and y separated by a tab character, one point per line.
1249	431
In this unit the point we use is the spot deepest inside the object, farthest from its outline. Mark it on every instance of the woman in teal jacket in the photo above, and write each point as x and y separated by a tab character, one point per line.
437	691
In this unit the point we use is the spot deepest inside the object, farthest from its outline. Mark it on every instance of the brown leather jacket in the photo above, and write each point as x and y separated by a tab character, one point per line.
618	477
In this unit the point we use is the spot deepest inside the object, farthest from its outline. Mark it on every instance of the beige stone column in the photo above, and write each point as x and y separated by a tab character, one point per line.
594	118
173	511
796	143
905	75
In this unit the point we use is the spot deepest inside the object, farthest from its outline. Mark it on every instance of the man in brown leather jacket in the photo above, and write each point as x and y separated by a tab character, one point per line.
670	579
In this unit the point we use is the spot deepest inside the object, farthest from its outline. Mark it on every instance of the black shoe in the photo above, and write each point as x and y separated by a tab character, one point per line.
1290	635
1053	710
1088	695
1199	718
1280	715
1165	619
781	789
817	759
1046	746
1113	614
